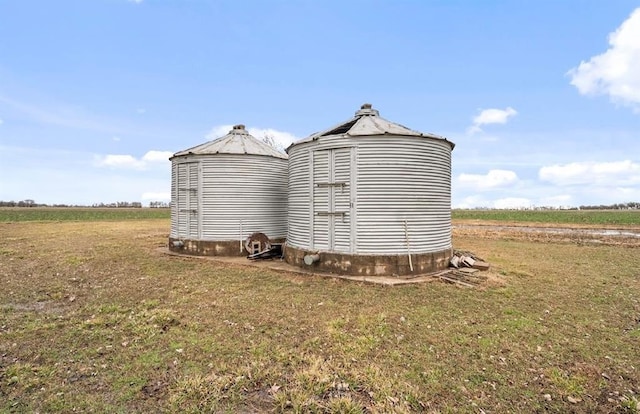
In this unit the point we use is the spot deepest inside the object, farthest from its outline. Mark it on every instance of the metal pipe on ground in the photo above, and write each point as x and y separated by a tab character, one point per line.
311	259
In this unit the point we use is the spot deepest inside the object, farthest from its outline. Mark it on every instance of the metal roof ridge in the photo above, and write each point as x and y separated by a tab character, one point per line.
372	119
237	141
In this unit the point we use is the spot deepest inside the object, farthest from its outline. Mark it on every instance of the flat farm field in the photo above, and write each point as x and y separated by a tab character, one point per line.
572	218
94	317
15	214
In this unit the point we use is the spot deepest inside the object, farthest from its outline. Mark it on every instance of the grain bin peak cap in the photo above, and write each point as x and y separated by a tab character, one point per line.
367	122
237	141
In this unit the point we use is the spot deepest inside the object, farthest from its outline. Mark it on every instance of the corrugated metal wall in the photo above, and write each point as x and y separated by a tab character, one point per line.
321	202
235	196
299	199
184	200
174	200
379	183
332	195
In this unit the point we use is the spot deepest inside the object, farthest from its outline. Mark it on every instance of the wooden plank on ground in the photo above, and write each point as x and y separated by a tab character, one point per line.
480	265
467	270
459	282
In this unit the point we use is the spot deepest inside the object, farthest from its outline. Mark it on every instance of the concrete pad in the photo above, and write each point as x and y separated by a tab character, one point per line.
281	265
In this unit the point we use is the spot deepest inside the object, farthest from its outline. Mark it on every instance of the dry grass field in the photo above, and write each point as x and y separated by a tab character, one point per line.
95	318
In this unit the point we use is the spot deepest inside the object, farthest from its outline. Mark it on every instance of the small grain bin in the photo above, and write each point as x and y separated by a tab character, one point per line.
225	190
370	197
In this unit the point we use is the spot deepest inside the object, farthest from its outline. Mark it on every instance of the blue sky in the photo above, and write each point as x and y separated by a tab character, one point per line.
541	97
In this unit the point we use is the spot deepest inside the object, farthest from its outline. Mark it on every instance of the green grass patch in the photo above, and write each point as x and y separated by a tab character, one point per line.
17	214
95	319
590	217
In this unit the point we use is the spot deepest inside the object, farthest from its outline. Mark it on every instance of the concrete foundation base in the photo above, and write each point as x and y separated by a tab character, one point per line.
369	265
209	247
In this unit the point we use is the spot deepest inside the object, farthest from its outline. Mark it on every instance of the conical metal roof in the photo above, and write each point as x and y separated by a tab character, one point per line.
237	141
367	121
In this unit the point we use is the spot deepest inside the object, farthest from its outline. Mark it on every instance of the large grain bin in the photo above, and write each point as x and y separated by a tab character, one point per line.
370	197
225	190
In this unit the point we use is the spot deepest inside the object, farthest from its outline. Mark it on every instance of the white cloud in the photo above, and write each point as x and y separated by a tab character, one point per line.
491	116
607	195
609	174
615	72
500	203
219	131
52	176
1	121
135	1
562	200
119	161
512	202
141	110
157	156
282	139
156	196
472	201
493	179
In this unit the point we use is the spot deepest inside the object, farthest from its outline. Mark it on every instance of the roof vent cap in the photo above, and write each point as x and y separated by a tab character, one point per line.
238	129
367	109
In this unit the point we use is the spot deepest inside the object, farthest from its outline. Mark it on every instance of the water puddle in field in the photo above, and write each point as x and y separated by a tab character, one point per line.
555	230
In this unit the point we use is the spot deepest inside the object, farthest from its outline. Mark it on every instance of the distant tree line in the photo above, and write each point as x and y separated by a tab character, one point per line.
21	203
632	205
119	204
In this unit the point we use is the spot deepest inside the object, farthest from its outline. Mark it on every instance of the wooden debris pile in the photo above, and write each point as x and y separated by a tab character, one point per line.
465	269
462	259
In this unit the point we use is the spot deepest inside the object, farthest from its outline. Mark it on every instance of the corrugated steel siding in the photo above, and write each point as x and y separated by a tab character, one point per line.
299	199
174	200
332	200
184	200
395	179
341	200
193	195
321	202
237	196
404	179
